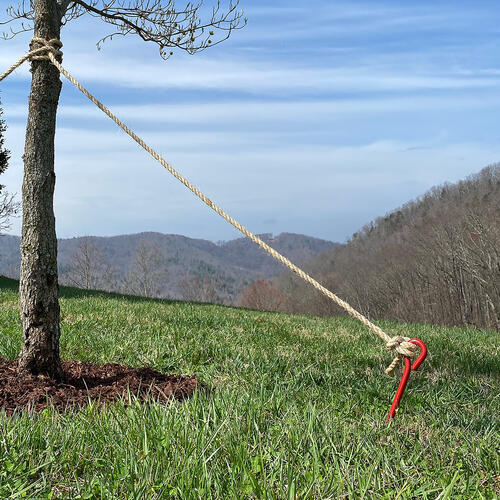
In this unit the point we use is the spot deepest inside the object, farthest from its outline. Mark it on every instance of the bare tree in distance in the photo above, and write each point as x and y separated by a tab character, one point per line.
262	295
8	205
190	28
89	269
9	208
199	289
147	271
433	260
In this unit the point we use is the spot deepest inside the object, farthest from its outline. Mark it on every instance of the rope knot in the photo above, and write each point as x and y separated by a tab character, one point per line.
403	348
40	48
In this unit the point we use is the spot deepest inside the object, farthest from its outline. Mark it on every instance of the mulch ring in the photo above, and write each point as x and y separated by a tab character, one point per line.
89	381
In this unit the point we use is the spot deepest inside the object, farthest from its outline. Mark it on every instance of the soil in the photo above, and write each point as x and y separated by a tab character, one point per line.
89	381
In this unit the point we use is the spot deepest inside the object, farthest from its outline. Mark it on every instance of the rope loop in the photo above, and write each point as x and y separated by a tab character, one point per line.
37	44
403	347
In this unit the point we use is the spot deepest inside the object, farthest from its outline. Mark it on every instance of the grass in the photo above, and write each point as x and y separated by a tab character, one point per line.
298	409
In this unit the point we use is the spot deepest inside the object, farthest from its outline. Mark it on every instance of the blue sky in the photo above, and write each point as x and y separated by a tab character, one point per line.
316	118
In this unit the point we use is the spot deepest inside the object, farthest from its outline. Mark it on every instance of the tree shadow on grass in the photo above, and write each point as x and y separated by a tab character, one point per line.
9	284
70	292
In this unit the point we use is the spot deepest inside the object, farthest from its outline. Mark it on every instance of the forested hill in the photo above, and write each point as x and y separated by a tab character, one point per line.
168	265
436	259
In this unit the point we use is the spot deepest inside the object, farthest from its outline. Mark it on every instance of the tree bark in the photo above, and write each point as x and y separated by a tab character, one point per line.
39	281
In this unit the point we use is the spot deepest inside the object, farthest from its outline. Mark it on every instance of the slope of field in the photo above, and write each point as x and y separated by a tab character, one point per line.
297	409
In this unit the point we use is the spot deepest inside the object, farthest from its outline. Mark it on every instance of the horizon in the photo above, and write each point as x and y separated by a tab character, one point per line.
272	234
314	131
219	242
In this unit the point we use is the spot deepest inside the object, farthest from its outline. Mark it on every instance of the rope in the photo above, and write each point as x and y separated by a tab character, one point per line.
398	344
52	46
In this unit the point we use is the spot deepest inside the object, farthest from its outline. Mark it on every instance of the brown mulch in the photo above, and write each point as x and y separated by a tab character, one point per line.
89	381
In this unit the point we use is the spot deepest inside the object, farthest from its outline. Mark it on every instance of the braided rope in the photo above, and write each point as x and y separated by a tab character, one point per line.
37	54
18	63
398	343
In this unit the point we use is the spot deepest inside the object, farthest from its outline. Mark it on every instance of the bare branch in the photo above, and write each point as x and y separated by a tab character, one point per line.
21	14
192	28
9	208
160	22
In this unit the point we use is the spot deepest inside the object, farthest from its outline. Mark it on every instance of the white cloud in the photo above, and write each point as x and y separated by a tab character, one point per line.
296	137
255	77
262	78
124	190
251	113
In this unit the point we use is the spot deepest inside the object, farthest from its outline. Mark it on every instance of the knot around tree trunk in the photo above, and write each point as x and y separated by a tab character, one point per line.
39	48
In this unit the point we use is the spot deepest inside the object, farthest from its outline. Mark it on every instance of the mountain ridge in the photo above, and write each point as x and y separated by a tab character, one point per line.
230	265
435	259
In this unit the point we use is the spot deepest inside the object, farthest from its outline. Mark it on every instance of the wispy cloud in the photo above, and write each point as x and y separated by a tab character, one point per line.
227	75
102	176
350	107
235	116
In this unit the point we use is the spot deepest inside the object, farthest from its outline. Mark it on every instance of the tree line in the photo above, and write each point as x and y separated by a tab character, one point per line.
89	268
434	260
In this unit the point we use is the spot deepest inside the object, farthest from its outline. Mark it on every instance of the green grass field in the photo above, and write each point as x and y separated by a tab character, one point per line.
297	409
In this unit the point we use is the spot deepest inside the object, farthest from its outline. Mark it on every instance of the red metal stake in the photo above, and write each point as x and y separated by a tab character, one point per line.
406	375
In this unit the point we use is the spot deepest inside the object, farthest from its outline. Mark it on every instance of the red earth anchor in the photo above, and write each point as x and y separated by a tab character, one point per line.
406	375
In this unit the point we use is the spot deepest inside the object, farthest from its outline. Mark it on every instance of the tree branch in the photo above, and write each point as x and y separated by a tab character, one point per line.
161	23
157	21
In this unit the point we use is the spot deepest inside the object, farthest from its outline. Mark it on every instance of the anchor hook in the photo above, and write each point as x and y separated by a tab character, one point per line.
406	375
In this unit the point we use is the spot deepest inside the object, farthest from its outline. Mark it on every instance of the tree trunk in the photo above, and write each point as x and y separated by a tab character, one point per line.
39	281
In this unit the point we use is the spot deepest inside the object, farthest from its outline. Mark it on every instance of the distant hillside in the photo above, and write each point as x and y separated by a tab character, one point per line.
168	265
436	259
